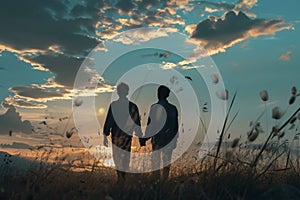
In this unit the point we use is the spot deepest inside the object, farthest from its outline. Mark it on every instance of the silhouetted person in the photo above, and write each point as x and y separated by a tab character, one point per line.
163	128
121	121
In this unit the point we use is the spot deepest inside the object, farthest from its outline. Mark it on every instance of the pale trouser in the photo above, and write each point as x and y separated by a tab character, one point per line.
161	161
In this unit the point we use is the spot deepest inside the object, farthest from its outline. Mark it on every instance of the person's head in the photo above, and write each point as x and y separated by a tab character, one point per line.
122	89
163	92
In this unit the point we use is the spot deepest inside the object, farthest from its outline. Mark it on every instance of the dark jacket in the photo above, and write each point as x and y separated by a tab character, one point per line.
170	127
126	128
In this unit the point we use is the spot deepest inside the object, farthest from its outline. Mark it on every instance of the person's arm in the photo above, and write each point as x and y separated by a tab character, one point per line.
108	122
148	131
144	140
176	125
176	121
137	121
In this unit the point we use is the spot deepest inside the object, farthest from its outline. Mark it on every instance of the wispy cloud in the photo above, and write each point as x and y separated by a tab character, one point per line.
217	34
210	10
168	65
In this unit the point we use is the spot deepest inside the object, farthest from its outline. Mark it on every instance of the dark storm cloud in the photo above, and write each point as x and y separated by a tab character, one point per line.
12	121
60	33
26	104
217	34
65	68
125	5
35	92
39	24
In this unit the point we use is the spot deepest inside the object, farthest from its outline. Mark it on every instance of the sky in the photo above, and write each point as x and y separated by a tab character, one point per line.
253	43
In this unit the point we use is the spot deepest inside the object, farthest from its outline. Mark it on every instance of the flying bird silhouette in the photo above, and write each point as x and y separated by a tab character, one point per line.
189	78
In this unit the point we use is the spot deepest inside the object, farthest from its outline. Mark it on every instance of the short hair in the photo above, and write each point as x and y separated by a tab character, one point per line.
163	92
122	89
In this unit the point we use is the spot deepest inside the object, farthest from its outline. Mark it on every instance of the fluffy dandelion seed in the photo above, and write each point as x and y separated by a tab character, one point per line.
276	113
281	134
235	142
275	130
215	77
264	95
293	120
222	94
78	101
292	99
294	90
253	135
258	128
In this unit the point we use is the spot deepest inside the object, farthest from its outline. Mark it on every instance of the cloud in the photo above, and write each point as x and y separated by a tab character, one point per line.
50	35
142	13
17	145
217	34
187	67
57	35
218	5
35	96
210	10
41	24
245	5
12	121
286	56
65	68
38	93
23	103
125	6
143	35
168	65
242	5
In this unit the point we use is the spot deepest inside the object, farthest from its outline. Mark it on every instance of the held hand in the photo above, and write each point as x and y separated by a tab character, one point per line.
142	142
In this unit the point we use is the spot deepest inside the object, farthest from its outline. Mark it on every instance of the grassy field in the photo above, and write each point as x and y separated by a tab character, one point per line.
237	168
200	179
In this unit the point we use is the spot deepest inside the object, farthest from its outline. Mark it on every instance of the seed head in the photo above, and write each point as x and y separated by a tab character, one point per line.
215	77
292	99
235	142
78	101
294	90
275	130
276	113
281	134
222	94
293	120
264	95
253	135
